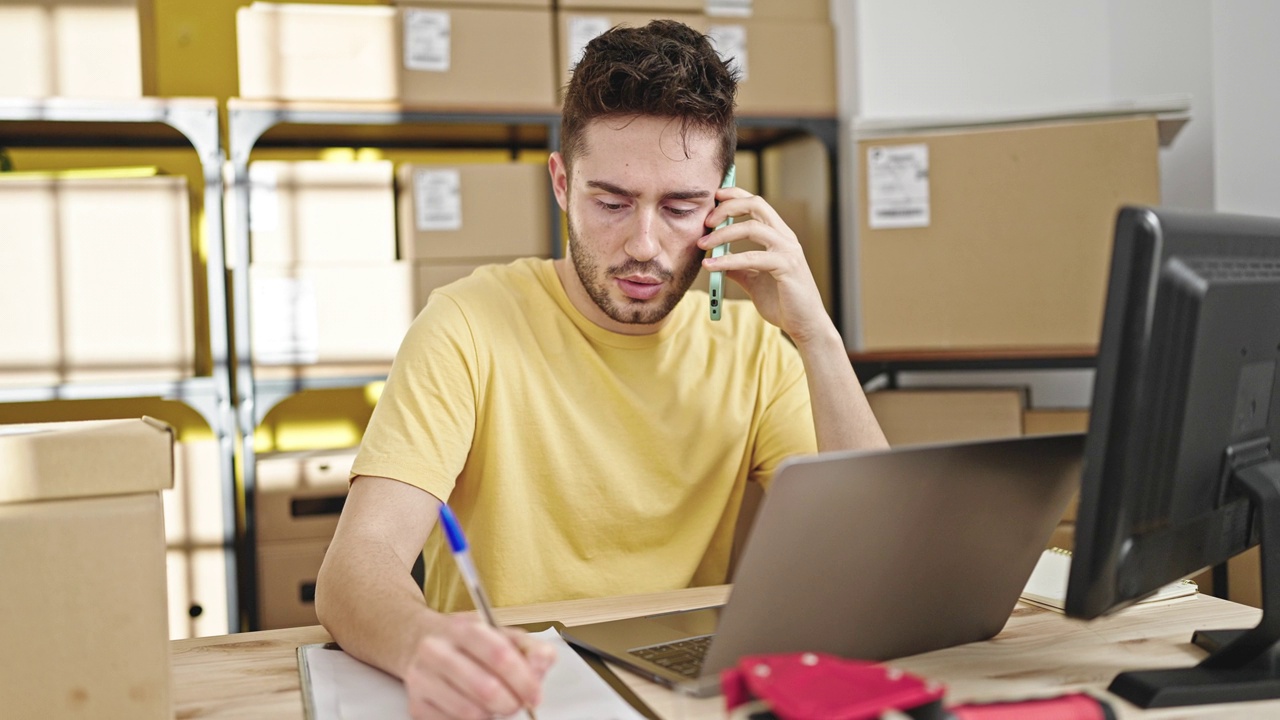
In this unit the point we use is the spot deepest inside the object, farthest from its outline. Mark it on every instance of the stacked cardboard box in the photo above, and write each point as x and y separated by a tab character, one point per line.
74	48
83	608
299	498
784	51
326	287
454	218
97	278
418	53
995	236
198	540
917	417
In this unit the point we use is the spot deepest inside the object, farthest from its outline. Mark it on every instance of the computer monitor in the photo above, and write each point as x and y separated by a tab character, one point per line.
1180	469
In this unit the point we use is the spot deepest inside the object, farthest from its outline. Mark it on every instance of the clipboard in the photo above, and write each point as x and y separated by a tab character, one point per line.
311	693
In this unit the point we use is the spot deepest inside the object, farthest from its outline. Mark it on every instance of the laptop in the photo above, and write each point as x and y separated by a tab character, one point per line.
870	555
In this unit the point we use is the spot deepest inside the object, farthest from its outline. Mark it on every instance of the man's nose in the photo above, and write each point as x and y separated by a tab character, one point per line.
643	243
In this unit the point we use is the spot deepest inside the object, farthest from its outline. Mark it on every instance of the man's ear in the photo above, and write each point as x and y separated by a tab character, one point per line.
559	179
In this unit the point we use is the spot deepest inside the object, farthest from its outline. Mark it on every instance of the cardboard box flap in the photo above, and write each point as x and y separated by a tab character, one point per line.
79	459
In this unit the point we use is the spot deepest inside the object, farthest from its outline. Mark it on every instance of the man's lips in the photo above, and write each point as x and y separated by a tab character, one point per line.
639	287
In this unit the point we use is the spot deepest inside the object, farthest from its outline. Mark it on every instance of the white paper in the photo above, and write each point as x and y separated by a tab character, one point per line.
898	186
583	30
264	198
344	688
730	42
427	40
437	199
286	321
729	8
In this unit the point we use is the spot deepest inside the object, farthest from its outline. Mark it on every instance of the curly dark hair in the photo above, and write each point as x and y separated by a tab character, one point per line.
664	69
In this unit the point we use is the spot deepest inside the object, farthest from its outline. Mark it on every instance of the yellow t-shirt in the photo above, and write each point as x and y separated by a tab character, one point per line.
581	462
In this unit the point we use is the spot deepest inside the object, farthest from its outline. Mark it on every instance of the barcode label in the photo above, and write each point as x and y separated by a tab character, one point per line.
729	8
583	30
898	186
437	199
426	40
285	324
731	42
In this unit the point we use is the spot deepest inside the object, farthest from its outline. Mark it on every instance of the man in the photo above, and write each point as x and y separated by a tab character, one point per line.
590	426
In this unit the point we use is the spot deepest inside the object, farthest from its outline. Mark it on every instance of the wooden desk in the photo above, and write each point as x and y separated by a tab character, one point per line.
254	675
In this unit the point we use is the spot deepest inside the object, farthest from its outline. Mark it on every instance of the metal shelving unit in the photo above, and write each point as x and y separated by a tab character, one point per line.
150	123
261	124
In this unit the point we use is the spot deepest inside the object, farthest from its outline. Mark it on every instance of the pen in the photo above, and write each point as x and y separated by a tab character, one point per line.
467	567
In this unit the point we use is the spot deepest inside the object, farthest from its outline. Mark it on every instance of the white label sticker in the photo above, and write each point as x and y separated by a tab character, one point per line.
264	198
731	42
437	199
583	30
898	186
426	40
286	321
729	8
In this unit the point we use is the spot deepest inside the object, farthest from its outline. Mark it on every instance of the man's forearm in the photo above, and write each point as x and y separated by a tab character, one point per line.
371	606
842	418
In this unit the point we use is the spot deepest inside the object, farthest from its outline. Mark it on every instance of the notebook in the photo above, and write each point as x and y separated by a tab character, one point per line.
1047	586
870	555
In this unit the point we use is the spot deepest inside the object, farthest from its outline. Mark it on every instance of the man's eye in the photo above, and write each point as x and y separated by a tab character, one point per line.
611	207
681	212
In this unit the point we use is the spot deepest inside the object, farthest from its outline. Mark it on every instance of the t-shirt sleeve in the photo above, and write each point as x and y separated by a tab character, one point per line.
786	424
422	427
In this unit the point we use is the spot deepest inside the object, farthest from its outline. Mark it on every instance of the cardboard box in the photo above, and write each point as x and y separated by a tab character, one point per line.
777	9
287	574
639	6
1013	242
770	53
1054	422
75	48
195	508
83	610
476	58
95	279
916	417
317	52
300	494
329	315
317	212
432	275
581	26
198	591
474	212
488	3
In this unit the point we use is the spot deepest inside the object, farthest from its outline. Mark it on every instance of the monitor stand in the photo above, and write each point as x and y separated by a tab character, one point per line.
1244	664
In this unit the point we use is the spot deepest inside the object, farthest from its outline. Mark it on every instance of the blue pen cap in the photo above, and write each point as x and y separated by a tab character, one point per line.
457	541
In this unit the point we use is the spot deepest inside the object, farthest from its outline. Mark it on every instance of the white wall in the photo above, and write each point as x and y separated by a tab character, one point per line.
925	57
1164	47
1246	84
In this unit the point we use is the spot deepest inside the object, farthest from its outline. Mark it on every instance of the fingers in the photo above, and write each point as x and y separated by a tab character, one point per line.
469	670
539	655
742	205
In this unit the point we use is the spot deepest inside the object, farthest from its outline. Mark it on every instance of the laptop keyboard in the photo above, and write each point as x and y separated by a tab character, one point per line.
683	657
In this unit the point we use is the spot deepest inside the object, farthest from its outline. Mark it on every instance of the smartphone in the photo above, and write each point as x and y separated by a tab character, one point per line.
717	278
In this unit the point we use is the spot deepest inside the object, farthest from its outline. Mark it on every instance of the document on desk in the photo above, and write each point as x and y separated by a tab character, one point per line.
336	686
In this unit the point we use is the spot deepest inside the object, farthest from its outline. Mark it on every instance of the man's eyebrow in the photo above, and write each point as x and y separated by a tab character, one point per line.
673	195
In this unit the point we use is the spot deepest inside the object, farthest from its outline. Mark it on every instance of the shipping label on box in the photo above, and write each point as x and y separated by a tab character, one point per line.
426	40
